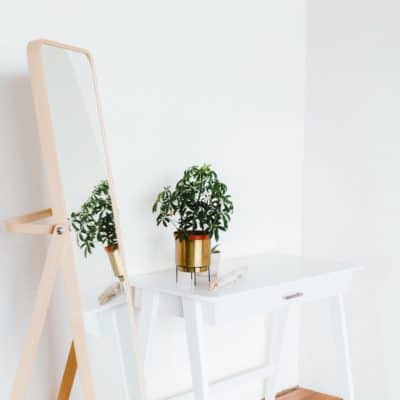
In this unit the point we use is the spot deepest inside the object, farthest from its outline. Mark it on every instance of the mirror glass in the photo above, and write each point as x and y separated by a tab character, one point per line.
78	135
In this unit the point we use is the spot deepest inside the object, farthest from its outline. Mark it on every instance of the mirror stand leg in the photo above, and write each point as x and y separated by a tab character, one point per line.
69	375
55	256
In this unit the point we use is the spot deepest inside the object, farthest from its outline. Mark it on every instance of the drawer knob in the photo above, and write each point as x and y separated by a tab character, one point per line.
293	296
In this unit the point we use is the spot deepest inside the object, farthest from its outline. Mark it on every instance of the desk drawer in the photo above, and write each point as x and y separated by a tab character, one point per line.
269	299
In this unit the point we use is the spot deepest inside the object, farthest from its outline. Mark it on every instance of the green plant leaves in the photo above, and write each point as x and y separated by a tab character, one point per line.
200	202
94	223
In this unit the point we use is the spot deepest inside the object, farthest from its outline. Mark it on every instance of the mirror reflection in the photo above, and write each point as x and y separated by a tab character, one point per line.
78	138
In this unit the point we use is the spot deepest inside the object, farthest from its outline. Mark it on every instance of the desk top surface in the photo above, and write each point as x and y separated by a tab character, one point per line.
264	270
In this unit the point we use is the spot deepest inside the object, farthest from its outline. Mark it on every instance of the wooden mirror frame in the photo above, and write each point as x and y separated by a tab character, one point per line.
60	251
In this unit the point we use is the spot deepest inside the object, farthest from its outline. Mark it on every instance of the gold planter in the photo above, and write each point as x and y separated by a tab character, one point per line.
193	254
115	260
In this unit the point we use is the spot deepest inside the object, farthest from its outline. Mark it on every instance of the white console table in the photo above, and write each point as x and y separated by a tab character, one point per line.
272	285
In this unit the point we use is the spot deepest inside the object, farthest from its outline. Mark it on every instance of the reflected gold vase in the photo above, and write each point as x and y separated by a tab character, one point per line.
115	260
193	253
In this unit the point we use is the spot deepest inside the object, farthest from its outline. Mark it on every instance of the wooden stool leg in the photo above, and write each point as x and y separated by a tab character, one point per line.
69	375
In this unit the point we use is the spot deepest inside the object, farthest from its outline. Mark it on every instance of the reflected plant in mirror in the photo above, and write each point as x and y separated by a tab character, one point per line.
94	224
73	139
199	208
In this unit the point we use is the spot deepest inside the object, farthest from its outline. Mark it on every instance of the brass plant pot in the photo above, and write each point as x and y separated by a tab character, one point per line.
115	260
193	254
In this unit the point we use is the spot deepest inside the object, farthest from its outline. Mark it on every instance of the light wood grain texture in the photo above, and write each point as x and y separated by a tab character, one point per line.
60	216
77	324
69	375
304	394
58	205
54	260
22	224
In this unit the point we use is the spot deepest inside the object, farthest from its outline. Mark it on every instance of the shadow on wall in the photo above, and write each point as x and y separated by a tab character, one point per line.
21	257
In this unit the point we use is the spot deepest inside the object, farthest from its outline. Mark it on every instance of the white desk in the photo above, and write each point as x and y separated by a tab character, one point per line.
272	285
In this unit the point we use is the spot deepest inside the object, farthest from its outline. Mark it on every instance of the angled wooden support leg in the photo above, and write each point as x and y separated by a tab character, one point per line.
69	375
23	223
77	325
53	262
59	255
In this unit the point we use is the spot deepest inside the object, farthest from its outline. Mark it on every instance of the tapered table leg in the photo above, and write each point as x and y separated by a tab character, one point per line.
147	320
275	350
195	338
340	333
130	360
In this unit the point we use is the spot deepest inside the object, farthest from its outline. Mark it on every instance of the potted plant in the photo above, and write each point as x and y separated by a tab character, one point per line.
94	223
199	208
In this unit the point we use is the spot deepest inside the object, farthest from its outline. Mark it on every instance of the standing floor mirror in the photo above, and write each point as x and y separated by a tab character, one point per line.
85	245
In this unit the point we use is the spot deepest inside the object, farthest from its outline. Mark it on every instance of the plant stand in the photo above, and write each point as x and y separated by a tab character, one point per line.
193	272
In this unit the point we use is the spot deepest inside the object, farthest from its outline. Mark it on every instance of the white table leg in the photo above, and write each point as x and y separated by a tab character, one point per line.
129	359
276	341
195	338
340	333
147	318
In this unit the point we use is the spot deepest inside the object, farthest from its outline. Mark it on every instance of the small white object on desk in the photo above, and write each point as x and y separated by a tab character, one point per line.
110	292
229	278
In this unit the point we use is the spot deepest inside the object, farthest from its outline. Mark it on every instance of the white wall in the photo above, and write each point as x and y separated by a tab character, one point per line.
229	91
229	74
351	187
